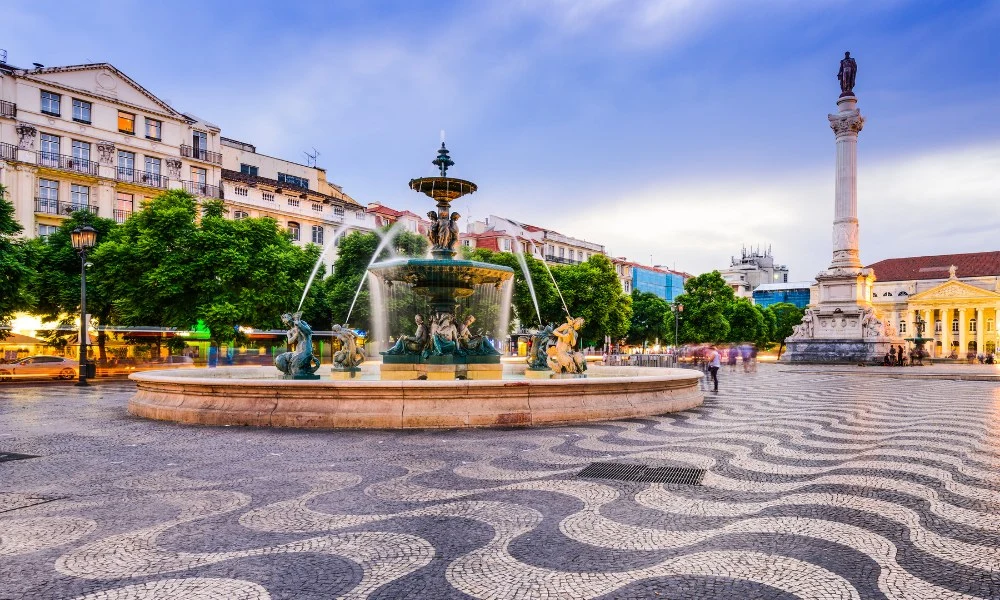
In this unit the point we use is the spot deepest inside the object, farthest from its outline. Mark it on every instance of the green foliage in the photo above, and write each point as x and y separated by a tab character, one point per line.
56	279
705	299
15	272
524	307
166	267
592	291
746	324
786	316
651	320
354	253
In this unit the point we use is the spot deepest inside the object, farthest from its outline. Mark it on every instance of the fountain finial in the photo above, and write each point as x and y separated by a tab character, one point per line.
443	161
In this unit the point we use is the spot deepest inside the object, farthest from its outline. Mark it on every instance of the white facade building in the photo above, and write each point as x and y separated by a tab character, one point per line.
88	137
754	267
501	234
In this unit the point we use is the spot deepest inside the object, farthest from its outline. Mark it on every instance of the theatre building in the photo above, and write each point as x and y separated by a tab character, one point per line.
956	295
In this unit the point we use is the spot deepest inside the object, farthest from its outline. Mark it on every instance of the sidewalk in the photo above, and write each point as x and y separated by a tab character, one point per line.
963	372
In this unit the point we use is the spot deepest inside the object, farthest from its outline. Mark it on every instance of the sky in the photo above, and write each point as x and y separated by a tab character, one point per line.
673	132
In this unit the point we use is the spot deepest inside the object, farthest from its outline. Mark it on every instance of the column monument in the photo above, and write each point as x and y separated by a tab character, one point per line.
841	325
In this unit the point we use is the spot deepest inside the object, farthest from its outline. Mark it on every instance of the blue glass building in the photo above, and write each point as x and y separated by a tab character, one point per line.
794	292
665	284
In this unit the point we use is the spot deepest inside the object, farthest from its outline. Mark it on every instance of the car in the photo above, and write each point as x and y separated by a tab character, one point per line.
40	366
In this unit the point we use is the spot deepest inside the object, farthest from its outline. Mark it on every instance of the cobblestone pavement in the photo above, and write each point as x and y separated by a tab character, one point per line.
817	486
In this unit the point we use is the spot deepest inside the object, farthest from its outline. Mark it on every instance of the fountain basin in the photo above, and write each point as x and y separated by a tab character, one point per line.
254	396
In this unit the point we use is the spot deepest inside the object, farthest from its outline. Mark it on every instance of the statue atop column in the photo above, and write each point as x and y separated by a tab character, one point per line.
847	75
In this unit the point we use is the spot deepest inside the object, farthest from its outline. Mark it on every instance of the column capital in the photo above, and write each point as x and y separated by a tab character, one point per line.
848	122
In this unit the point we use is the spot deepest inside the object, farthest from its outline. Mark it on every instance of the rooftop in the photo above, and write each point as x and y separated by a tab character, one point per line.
973	264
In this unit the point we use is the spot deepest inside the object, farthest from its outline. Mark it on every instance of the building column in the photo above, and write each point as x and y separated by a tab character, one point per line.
944	336
963	333
910	318
846	124
980	326
928	317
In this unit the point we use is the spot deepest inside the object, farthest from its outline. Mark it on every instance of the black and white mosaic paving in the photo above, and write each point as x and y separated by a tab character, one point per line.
815	486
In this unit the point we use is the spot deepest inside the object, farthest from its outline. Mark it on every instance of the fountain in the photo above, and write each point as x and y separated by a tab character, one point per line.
444	375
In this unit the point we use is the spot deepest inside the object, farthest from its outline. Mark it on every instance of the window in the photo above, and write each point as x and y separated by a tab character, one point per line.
317	234
50	150
294	230
81	151
126	160
338	210
319	208
467	243
937	326
784	278
240	214
360	215
292	202
954	325
293	180
79	196
248	169
989	324
153	165
81	111
268	197
126	122
48	196
972	326
154	129
124	207
903	293
199	139
887	294
241	191
506	245
902	327
45	231
200	176
51	104
562	252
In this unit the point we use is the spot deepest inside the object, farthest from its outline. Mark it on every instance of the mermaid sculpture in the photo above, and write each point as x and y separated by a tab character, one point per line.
563	357
349	357
538	357
300	363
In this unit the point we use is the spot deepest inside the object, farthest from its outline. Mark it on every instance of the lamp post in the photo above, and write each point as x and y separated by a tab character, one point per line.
83	239
678	309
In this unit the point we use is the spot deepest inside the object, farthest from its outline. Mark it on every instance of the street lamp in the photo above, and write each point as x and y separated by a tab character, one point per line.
83	239
678	309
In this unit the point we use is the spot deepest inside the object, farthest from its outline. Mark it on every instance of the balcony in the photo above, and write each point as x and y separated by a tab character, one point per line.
561	260
201	189
8	109
121	215
54	207
67	163
142	177
8	151
201	154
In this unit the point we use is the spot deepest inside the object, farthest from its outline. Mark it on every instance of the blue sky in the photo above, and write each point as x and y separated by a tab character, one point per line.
671	129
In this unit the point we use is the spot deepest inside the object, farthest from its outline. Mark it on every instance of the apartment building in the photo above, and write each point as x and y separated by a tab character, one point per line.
88	137
507	235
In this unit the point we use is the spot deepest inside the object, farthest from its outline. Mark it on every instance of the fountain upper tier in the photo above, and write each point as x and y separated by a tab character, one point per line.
443	189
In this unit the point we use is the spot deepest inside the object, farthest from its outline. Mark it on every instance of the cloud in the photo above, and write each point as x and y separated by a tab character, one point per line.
907	206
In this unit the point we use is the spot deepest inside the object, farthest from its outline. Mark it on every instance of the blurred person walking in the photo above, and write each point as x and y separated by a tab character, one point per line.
714	361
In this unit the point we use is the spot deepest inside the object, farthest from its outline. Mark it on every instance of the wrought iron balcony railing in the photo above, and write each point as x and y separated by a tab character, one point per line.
560	259
67	163
201	154
54	207
8	109
8	151
201	189
121	215
142	177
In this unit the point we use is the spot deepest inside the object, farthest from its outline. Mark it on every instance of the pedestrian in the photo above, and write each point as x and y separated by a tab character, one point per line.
900	352
753	358
714	360
731	353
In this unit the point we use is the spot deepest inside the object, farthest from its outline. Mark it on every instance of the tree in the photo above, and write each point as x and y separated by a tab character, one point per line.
593	291
746	324
166	267
705	299
56	280
15	273
524	306
353	257
650	315
786	316
767	334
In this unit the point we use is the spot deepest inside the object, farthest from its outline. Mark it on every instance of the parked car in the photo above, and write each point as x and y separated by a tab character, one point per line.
39	366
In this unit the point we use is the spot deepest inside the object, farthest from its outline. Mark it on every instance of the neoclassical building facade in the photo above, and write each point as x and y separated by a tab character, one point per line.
956	295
